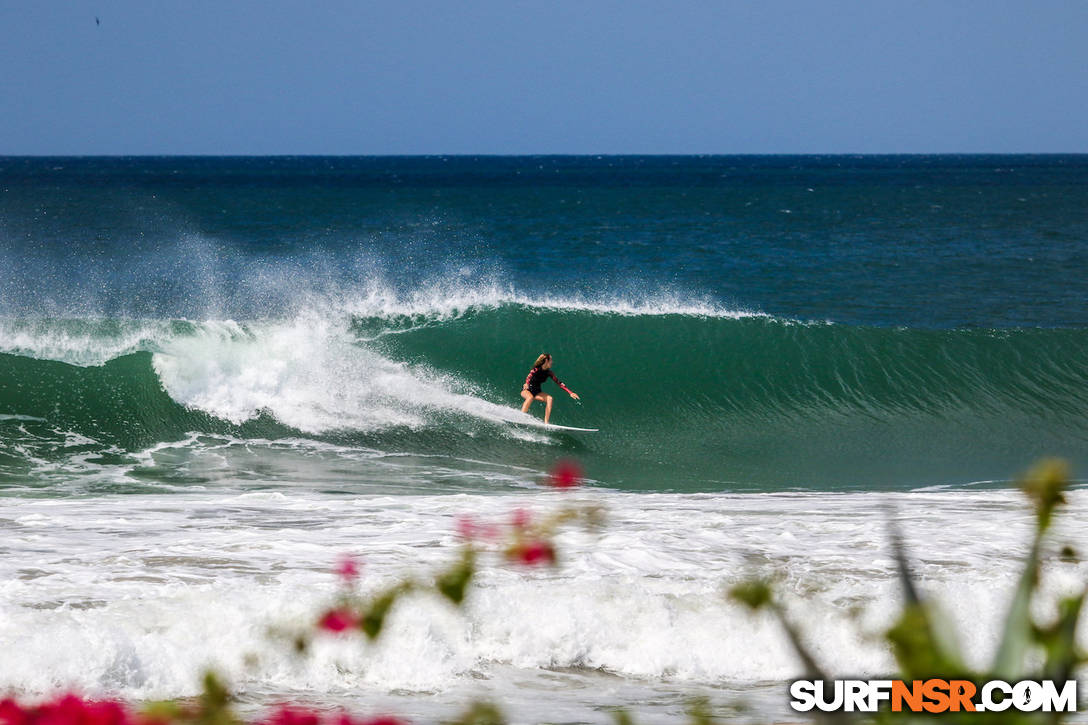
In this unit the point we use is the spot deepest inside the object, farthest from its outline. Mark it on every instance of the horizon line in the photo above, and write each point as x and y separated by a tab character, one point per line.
538	155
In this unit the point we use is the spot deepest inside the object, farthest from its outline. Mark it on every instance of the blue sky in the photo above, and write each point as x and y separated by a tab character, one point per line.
558	76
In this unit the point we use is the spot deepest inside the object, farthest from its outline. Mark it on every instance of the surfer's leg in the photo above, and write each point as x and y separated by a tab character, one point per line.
528	401
547	407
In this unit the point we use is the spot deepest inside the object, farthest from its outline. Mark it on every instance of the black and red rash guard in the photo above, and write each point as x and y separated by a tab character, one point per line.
536	378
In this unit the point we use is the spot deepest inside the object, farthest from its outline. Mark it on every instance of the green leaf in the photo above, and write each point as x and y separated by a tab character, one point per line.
699	712
917	650
480	713
1060	640
215	703
374	618
754	594
813	671
165	711
1018	635
1045	484
453	583
922	642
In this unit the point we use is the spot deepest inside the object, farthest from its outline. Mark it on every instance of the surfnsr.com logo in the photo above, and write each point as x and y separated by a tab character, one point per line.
933	696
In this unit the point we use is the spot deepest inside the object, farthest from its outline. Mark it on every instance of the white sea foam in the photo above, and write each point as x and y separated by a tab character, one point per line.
135	595
312	375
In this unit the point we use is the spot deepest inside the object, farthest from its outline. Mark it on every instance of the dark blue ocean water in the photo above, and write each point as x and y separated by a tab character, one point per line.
927	241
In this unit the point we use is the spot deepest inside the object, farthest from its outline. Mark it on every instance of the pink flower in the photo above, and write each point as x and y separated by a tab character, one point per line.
520	518
566	473
385	720
490	532
467	528
337	620
348	568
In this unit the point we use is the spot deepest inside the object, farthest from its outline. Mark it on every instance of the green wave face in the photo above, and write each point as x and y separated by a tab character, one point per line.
690	401
51	411
683	401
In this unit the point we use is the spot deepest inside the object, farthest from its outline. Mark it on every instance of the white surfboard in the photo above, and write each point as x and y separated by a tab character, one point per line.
500	413
570	427
519	418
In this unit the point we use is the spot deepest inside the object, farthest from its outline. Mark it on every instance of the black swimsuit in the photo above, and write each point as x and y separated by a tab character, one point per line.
536	378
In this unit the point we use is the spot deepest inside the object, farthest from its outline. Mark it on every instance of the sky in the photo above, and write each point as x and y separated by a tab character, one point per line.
543	77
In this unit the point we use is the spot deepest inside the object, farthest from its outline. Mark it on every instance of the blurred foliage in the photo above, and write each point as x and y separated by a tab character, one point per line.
923	642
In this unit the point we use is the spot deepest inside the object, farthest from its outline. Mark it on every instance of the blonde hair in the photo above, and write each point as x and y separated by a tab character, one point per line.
544	357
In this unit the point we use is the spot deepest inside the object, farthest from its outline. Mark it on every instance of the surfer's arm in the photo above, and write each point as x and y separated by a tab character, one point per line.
527	377
564	387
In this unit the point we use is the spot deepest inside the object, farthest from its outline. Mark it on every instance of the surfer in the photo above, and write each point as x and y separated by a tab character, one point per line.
530	391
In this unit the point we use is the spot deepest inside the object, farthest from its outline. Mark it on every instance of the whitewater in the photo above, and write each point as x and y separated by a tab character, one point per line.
136	595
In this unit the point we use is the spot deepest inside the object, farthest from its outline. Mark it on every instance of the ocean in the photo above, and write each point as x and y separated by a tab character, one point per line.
218	375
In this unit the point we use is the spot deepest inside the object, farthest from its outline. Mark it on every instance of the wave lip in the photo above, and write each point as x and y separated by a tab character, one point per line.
444	302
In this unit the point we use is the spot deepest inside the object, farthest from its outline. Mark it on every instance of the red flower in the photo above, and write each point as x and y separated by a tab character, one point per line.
337	620
287	715
11	713
70	710
348	568
567	473
536	552
104	713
